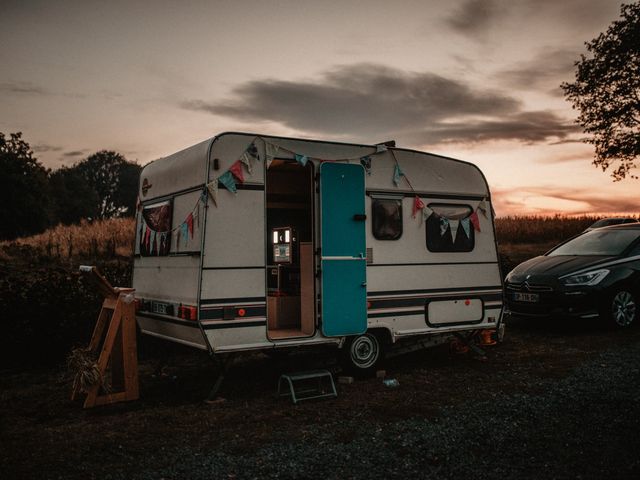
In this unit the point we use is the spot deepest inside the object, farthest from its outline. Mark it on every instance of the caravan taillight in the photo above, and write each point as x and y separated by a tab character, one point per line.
187	312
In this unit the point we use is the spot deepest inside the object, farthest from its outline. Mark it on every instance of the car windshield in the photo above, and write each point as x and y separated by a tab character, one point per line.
598	242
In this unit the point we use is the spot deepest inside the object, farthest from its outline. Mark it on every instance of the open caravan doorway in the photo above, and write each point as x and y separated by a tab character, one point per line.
290	242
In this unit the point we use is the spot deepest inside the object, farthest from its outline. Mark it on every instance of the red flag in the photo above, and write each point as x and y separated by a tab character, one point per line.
147	238
417	206
236	170
190	224
475	221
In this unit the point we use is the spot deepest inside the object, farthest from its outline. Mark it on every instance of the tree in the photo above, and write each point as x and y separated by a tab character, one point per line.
73	198
24	189
115	181
607	93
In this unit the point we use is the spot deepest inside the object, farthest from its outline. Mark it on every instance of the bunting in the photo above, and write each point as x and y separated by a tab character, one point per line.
227	180
397	173
466	226
247	161
482	207
453	226
475	221
212	188
302	159
426	213
271	153
418	205
444	225
189	222
236	170
366	163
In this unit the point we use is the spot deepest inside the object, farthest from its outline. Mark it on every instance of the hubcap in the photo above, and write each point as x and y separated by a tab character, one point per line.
623	308
364	351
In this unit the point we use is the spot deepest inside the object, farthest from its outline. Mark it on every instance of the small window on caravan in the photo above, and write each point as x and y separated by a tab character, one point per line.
442	239
387	218
155	229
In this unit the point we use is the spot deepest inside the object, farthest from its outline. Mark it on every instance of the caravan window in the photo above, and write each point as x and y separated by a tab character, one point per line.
387	218
442	240
154	236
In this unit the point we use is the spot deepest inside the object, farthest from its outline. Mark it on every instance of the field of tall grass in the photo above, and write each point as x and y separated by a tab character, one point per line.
105	239
114	238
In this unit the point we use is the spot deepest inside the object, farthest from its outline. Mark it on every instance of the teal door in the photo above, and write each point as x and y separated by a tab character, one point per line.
343	249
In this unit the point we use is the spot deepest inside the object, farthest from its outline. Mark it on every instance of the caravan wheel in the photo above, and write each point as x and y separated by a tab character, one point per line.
362	354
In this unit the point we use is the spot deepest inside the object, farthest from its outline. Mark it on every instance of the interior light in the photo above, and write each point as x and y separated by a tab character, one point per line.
275	237
287	236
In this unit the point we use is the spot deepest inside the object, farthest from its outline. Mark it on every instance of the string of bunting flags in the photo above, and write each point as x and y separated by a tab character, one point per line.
157	241
235	173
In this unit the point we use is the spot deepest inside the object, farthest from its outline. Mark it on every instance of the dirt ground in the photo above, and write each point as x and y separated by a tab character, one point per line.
172	433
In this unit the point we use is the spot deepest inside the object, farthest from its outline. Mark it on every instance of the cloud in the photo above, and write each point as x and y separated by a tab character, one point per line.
371	101
526	127
45	148
74	153
23	88
475	17
545	71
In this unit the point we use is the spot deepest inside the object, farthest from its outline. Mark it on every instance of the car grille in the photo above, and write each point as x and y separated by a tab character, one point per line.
527	287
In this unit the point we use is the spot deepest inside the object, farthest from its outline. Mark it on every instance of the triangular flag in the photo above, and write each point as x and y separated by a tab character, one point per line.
252	150
212	188
147	238
236	170
444	226
272	152
397	173
366	163
482	206
184	231
226	179
453	225
466	226
418	205
178	238
155	245
302	159
475	221
189	221
247	161
426	213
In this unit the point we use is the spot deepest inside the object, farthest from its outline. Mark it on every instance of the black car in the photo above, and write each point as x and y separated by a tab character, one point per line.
596	273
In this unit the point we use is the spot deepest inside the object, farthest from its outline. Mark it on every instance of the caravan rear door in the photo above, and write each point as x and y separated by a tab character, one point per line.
343	248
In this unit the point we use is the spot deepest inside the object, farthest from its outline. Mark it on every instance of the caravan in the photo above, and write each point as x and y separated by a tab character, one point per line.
255	242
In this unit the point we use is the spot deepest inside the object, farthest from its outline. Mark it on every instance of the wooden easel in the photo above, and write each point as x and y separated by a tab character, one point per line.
117	317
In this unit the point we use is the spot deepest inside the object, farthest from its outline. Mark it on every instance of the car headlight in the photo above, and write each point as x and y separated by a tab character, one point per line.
586	279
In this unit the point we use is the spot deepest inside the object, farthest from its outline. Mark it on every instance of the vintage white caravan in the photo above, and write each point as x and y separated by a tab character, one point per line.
254	242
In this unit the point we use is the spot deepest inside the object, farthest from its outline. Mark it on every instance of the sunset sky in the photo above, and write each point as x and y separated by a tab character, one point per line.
475	80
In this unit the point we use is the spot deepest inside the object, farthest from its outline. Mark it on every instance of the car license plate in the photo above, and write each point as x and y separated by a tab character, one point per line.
158	307
526	297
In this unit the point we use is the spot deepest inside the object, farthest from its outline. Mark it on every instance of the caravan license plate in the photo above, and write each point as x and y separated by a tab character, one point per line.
158	307
526	297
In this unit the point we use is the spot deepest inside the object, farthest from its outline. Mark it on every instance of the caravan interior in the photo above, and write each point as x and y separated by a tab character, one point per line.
290	242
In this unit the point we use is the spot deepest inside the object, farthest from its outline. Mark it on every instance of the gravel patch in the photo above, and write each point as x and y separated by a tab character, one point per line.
584	426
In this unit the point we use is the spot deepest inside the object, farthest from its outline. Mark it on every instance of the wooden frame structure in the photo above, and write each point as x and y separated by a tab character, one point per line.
114	337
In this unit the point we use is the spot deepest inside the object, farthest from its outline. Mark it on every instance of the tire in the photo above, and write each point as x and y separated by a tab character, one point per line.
622	309
362	355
